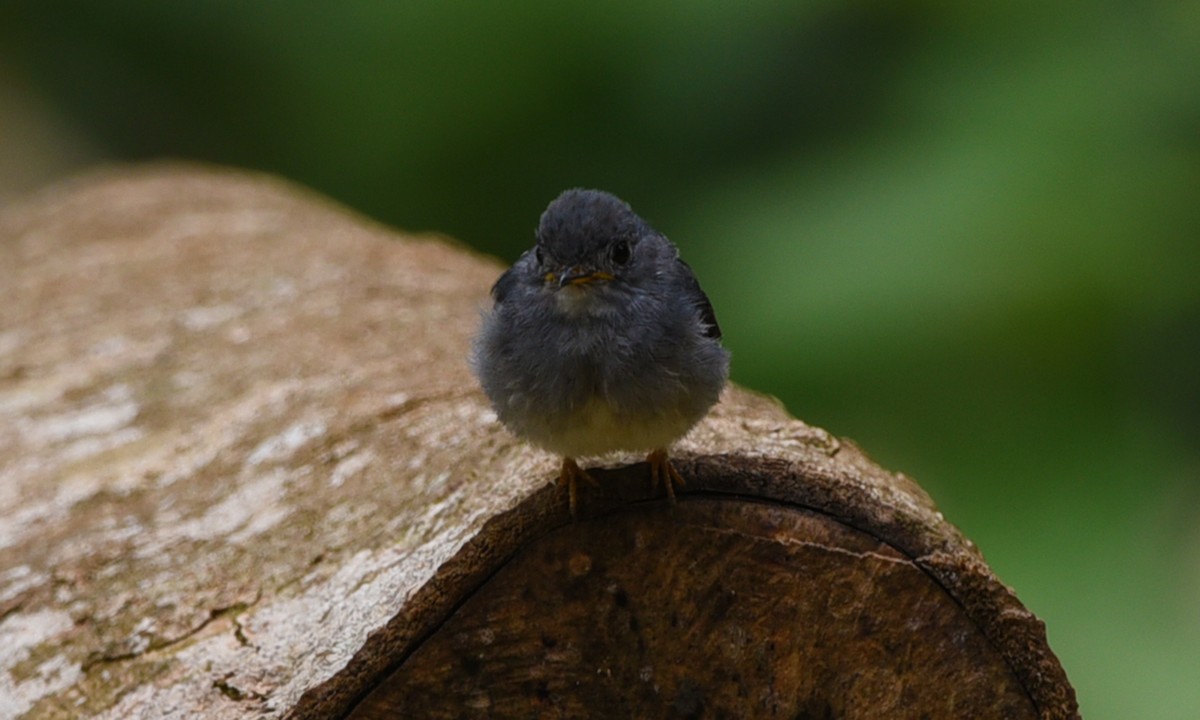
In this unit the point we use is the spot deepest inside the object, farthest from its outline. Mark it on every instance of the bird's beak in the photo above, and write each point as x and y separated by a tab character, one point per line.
580	275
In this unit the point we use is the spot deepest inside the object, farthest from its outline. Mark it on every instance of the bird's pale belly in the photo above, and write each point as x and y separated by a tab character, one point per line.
596	429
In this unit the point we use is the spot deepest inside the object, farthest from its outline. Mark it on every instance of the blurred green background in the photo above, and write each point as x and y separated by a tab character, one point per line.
965	235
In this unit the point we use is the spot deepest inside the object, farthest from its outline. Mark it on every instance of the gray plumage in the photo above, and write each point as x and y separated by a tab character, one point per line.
600	338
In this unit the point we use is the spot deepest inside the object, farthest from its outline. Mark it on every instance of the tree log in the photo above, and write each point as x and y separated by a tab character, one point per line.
245	472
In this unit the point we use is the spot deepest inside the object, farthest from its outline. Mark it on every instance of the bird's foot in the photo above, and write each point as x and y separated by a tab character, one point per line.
569	476
662	471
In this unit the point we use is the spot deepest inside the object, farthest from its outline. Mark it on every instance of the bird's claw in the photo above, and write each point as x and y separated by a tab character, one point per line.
662	471
568	477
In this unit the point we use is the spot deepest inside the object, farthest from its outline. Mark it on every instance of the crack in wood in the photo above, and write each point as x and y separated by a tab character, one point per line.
96	658
235	693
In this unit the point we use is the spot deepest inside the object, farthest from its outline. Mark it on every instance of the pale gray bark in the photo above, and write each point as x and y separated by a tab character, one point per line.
239	437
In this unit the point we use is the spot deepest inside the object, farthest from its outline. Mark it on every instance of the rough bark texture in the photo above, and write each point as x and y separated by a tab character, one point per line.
245	472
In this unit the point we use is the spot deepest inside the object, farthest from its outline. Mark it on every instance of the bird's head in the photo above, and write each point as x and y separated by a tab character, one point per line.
590	246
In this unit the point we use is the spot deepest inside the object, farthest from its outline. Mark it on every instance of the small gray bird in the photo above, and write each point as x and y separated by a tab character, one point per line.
600	340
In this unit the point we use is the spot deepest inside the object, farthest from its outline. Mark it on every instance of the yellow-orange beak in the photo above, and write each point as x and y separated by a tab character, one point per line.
581	276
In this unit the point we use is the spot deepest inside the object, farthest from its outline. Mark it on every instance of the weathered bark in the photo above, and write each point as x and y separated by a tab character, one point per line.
244	472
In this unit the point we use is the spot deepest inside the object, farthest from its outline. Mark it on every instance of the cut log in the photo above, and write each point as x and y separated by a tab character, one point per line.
245	472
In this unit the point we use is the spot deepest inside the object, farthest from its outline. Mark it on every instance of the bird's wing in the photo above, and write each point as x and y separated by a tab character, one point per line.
506	283
707	315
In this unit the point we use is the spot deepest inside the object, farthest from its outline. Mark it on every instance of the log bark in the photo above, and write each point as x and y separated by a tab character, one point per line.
245	472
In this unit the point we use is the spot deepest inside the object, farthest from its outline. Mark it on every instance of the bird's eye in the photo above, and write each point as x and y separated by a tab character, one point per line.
620	252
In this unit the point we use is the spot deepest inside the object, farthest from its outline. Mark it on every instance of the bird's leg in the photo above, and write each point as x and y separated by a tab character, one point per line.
570	473
661	470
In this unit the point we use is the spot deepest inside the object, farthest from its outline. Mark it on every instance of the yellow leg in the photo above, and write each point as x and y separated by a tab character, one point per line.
568	477
662	471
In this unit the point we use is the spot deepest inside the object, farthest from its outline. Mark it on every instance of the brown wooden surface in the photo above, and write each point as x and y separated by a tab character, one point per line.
245	470
716	608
